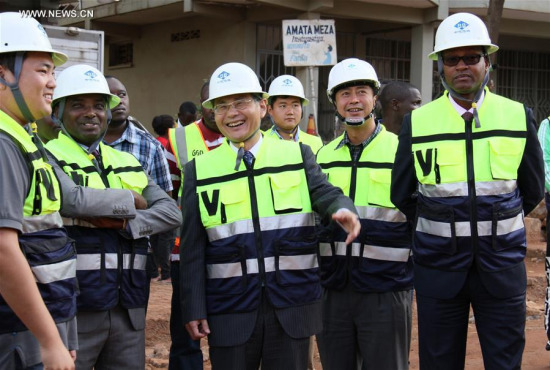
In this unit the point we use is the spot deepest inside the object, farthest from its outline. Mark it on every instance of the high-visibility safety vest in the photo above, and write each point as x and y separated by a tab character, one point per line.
314	142
187	143
45	244
110	267
260	229
378	260
469	205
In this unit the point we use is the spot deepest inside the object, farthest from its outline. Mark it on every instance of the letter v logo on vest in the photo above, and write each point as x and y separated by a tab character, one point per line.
425	164
211	206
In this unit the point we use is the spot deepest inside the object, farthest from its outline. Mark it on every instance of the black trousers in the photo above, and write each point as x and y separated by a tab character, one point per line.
268	346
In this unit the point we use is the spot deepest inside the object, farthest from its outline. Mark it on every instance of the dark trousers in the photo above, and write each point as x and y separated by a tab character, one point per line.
185	353
162	245
268	346
443	328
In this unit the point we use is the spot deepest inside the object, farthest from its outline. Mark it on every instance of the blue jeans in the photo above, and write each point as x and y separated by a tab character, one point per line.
185	353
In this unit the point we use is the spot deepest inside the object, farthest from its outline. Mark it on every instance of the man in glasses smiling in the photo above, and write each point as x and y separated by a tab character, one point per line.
249	267
478	168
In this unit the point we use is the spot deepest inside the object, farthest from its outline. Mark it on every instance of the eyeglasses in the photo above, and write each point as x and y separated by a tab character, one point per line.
469	60
241	104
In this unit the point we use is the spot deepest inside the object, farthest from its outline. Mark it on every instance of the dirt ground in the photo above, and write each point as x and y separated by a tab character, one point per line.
535	356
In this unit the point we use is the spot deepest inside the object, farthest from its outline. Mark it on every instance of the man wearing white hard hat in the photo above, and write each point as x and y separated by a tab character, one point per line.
249	254
30	214
467	169
111	255
285	106
369	279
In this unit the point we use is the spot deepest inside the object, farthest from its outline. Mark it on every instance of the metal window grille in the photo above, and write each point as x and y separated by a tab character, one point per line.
525	77
269	55
121	54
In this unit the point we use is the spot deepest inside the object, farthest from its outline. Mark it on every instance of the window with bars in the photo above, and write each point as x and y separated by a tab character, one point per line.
121	54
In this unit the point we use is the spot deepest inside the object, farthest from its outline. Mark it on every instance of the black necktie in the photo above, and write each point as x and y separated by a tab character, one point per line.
468	117
248	159
96	160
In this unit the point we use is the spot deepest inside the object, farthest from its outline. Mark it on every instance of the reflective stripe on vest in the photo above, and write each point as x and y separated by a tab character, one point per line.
460	189
381	214
187	143
93	261
227	270
36	223
55	271
380	256
462	228
468	201
369	251
267	223
261	220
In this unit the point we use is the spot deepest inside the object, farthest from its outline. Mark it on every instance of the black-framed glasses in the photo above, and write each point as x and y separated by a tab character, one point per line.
469	60
240	104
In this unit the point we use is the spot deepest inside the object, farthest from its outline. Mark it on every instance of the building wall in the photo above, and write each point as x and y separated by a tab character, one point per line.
157	86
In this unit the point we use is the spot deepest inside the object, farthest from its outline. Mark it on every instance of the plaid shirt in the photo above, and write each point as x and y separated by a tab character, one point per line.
356	150
148	151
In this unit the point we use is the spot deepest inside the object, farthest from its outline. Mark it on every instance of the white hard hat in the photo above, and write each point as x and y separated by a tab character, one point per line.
349	70
462	29
287	85
20	33
230	79
82	79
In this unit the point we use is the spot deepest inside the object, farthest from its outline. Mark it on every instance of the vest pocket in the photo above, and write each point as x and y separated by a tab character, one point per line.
226	271
508	226
450	162
297	261
505	157
285	191
379	188
435	230
340	177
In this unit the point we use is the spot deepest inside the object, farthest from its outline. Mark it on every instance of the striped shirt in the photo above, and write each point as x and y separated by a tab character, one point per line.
148	151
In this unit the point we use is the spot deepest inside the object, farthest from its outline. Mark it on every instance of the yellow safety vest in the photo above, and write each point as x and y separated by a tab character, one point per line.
468	200
260	228
380	257
47	248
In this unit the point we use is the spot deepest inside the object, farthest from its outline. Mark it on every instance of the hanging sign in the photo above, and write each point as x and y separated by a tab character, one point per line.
309	42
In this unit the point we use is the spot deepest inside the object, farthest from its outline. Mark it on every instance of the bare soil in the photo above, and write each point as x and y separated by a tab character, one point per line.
535	356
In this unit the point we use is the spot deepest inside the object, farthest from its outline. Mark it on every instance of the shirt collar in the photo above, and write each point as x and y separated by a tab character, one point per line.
296	136
130	135
254	150
461	110
345	140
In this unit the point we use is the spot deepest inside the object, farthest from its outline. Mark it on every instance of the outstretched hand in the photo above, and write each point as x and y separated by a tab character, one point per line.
349	221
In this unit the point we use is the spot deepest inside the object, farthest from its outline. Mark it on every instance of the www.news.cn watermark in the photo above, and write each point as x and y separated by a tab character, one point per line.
57	13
